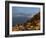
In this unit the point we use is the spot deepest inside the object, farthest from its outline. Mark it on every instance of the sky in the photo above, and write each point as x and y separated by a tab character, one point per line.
24	11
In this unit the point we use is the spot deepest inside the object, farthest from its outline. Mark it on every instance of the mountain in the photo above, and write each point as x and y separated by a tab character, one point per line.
31	24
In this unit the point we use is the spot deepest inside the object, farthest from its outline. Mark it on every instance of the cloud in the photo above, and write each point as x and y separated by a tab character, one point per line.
18	15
